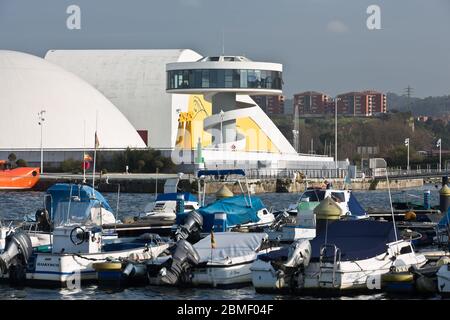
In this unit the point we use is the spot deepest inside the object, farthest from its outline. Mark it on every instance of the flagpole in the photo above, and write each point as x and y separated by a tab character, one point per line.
84	151
95	152
440	155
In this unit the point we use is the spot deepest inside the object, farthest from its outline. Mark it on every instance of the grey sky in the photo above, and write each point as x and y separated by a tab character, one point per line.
323	44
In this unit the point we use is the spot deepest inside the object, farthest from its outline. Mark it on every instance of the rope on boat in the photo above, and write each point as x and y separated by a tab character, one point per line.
91	259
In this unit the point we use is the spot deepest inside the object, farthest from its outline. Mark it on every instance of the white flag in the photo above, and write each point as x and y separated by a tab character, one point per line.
438	143
406	142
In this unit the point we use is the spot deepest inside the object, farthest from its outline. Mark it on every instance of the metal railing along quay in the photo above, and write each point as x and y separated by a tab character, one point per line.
291	173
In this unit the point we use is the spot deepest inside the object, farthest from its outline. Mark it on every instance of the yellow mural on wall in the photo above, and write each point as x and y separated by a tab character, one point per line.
190	128
190	123
255	138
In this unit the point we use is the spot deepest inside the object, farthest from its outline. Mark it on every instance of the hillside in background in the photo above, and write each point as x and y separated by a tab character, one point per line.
429	106
386	133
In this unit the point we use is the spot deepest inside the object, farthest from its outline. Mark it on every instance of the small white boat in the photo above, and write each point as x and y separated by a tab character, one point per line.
77	242
164	210
228	263
345	199
351	255
223	261
229	212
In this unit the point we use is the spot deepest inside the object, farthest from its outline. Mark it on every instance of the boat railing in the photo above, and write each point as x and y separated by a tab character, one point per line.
324	262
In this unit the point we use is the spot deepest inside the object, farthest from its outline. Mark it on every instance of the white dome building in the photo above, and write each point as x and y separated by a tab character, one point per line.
29	84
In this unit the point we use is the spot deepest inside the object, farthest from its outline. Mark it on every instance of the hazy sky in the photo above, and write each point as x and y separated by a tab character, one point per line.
324	45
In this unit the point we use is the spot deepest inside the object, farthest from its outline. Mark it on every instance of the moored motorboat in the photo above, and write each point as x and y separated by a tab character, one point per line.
350	255
345	199
229	211
219	260
164	210
19	178
166	205
73	216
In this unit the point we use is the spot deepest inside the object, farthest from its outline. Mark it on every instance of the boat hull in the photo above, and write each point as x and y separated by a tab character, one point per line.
362	275
72	270
223	276
19	178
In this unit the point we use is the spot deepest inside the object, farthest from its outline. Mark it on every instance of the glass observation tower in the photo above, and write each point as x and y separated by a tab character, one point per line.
220	79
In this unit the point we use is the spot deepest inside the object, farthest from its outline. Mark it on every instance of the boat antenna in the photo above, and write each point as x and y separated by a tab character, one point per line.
117	207
95	154
390	202
70	201
84	151
156	182
223	42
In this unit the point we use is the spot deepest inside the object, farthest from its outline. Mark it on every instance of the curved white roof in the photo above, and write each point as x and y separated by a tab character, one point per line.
29	84
135	82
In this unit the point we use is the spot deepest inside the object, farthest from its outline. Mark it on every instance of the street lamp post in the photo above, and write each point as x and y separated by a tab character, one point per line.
41	124
439	144
407	157
221	128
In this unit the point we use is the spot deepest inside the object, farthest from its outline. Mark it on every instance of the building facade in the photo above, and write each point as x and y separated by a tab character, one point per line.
362	104
312	103
272	105
358	104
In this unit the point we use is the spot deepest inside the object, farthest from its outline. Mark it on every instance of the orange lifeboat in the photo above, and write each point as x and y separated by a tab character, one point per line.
18	178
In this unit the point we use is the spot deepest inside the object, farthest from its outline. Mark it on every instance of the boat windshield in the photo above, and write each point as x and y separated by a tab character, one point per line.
73	212
313	195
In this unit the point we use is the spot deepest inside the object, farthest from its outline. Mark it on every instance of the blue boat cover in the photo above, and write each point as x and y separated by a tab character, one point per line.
60	192
355	207
237	210
357	240
445	221
172	196
225	172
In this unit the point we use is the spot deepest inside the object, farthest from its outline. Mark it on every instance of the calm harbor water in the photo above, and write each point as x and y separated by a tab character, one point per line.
13	205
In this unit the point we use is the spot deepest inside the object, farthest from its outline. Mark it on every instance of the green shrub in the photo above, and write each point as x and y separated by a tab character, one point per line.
21	163
71	165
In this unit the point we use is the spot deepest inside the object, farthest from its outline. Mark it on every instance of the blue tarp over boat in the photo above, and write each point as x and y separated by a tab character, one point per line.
355	207
61	192
445	221
237	209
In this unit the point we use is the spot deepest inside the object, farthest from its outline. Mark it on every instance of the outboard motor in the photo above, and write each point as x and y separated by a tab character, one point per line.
191	227
293	271
18	249
299	254
280	220
183	258
43	220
